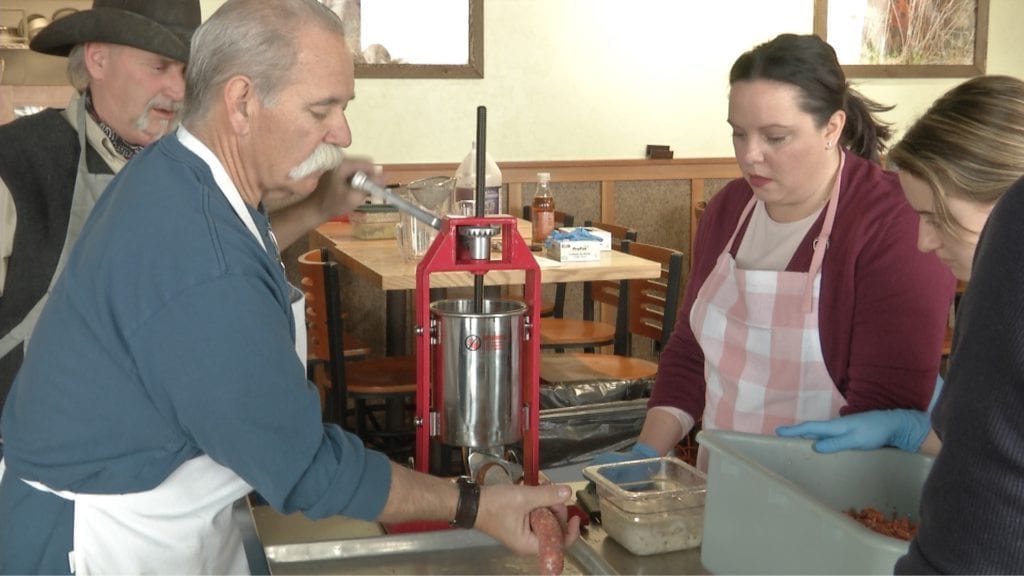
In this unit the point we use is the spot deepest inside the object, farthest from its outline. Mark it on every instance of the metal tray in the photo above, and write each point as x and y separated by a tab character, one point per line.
440	552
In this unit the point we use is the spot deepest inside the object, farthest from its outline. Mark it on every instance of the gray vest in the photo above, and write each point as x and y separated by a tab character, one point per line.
38	163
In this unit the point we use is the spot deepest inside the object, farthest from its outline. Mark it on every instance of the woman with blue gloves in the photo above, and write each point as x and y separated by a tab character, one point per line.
954	164
807	297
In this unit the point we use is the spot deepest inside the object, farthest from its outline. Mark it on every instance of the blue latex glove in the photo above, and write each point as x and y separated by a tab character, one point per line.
904	429
628	475
638	452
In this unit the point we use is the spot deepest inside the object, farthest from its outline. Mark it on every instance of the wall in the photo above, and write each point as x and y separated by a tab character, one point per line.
597	79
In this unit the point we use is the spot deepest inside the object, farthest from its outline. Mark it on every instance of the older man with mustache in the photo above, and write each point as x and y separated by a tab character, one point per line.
164	359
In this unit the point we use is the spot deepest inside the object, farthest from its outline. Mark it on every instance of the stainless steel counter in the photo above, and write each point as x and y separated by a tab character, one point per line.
293	544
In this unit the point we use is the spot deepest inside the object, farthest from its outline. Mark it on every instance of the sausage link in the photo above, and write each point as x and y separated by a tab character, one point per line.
549	535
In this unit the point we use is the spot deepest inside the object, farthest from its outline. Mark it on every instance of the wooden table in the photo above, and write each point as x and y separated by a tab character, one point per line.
381	263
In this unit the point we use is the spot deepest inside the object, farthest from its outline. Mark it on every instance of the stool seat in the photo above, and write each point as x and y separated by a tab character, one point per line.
571	333
579	367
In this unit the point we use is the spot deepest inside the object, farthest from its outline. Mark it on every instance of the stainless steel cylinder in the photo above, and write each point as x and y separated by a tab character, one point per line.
477	359
475	242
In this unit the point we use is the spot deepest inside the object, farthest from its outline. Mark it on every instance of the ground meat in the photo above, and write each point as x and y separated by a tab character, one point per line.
896	527
549	533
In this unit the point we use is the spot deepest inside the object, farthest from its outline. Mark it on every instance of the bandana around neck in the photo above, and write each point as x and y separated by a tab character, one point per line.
122	146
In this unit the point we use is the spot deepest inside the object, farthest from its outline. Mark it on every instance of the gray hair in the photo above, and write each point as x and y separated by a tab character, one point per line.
78	74
253	38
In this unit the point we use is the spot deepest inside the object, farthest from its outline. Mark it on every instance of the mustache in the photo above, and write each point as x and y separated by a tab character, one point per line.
142	122
325	157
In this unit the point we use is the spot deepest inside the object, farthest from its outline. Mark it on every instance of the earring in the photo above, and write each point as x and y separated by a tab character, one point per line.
828	145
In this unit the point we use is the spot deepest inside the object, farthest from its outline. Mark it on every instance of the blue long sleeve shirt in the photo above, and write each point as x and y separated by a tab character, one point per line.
169	335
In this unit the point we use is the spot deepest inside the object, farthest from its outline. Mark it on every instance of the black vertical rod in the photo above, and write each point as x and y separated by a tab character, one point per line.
481	158
481	183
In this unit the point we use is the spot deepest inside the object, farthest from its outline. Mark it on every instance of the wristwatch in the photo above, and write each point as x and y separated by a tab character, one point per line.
469	503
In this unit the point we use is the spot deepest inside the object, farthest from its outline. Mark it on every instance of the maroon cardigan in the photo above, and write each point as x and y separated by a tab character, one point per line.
883	307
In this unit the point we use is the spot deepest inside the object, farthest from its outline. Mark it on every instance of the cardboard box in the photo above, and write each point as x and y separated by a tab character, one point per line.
604	235
574	250
775	506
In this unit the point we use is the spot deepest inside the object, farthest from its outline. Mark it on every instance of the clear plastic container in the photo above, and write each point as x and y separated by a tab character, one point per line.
651	506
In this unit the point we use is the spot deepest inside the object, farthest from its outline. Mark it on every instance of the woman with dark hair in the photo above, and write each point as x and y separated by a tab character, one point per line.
807	297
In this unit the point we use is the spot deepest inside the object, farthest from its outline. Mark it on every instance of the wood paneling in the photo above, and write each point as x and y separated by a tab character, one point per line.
13	97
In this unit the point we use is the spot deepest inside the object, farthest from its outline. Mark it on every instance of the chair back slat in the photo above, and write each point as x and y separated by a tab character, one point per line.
619	233
605	291
653	303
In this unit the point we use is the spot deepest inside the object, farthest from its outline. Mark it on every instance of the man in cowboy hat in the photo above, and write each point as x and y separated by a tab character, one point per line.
165	355
126	59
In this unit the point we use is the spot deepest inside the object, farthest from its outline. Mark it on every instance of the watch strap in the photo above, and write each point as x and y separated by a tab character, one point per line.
469	503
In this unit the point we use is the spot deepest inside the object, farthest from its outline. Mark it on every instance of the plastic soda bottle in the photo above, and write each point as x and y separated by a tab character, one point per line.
543	209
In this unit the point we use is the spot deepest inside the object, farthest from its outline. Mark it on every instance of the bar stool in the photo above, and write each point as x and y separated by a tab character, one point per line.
560	333
313	278
382	390
651	307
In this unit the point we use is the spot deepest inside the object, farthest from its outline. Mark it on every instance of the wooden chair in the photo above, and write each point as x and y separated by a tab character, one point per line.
313	282
374	385
560	333
556	308
619	233
652	307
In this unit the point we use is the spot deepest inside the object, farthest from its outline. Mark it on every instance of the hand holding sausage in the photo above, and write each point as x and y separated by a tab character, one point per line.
505	514
551	554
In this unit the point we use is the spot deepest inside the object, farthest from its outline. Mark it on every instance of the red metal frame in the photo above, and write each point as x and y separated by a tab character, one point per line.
442	256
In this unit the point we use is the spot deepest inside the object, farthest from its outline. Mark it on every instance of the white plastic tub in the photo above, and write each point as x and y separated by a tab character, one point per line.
773	505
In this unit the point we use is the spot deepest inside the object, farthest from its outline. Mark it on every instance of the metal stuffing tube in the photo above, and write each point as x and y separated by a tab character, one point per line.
361	181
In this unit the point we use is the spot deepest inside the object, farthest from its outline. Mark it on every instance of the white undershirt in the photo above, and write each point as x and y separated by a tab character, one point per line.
770	245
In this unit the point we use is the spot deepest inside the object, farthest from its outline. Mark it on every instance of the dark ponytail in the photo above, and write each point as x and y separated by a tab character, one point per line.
810	64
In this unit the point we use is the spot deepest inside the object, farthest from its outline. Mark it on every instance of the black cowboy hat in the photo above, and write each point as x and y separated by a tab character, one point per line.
163	27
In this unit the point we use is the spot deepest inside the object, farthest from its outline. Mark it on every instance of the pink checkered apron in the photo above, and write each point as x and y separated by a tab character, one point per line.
762	349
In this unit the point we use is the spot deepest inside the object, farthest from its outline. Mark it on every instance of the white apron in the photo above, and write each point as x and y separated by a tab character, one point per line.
88	188
758	329
184	525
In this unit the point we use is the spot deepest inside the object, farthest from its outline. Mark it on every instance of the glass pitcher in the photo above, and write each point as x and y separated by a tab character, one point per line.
433	194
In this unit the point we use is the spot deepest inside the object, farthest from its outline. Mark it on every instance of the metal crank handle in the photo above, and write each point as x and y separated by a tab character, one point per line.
361	181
